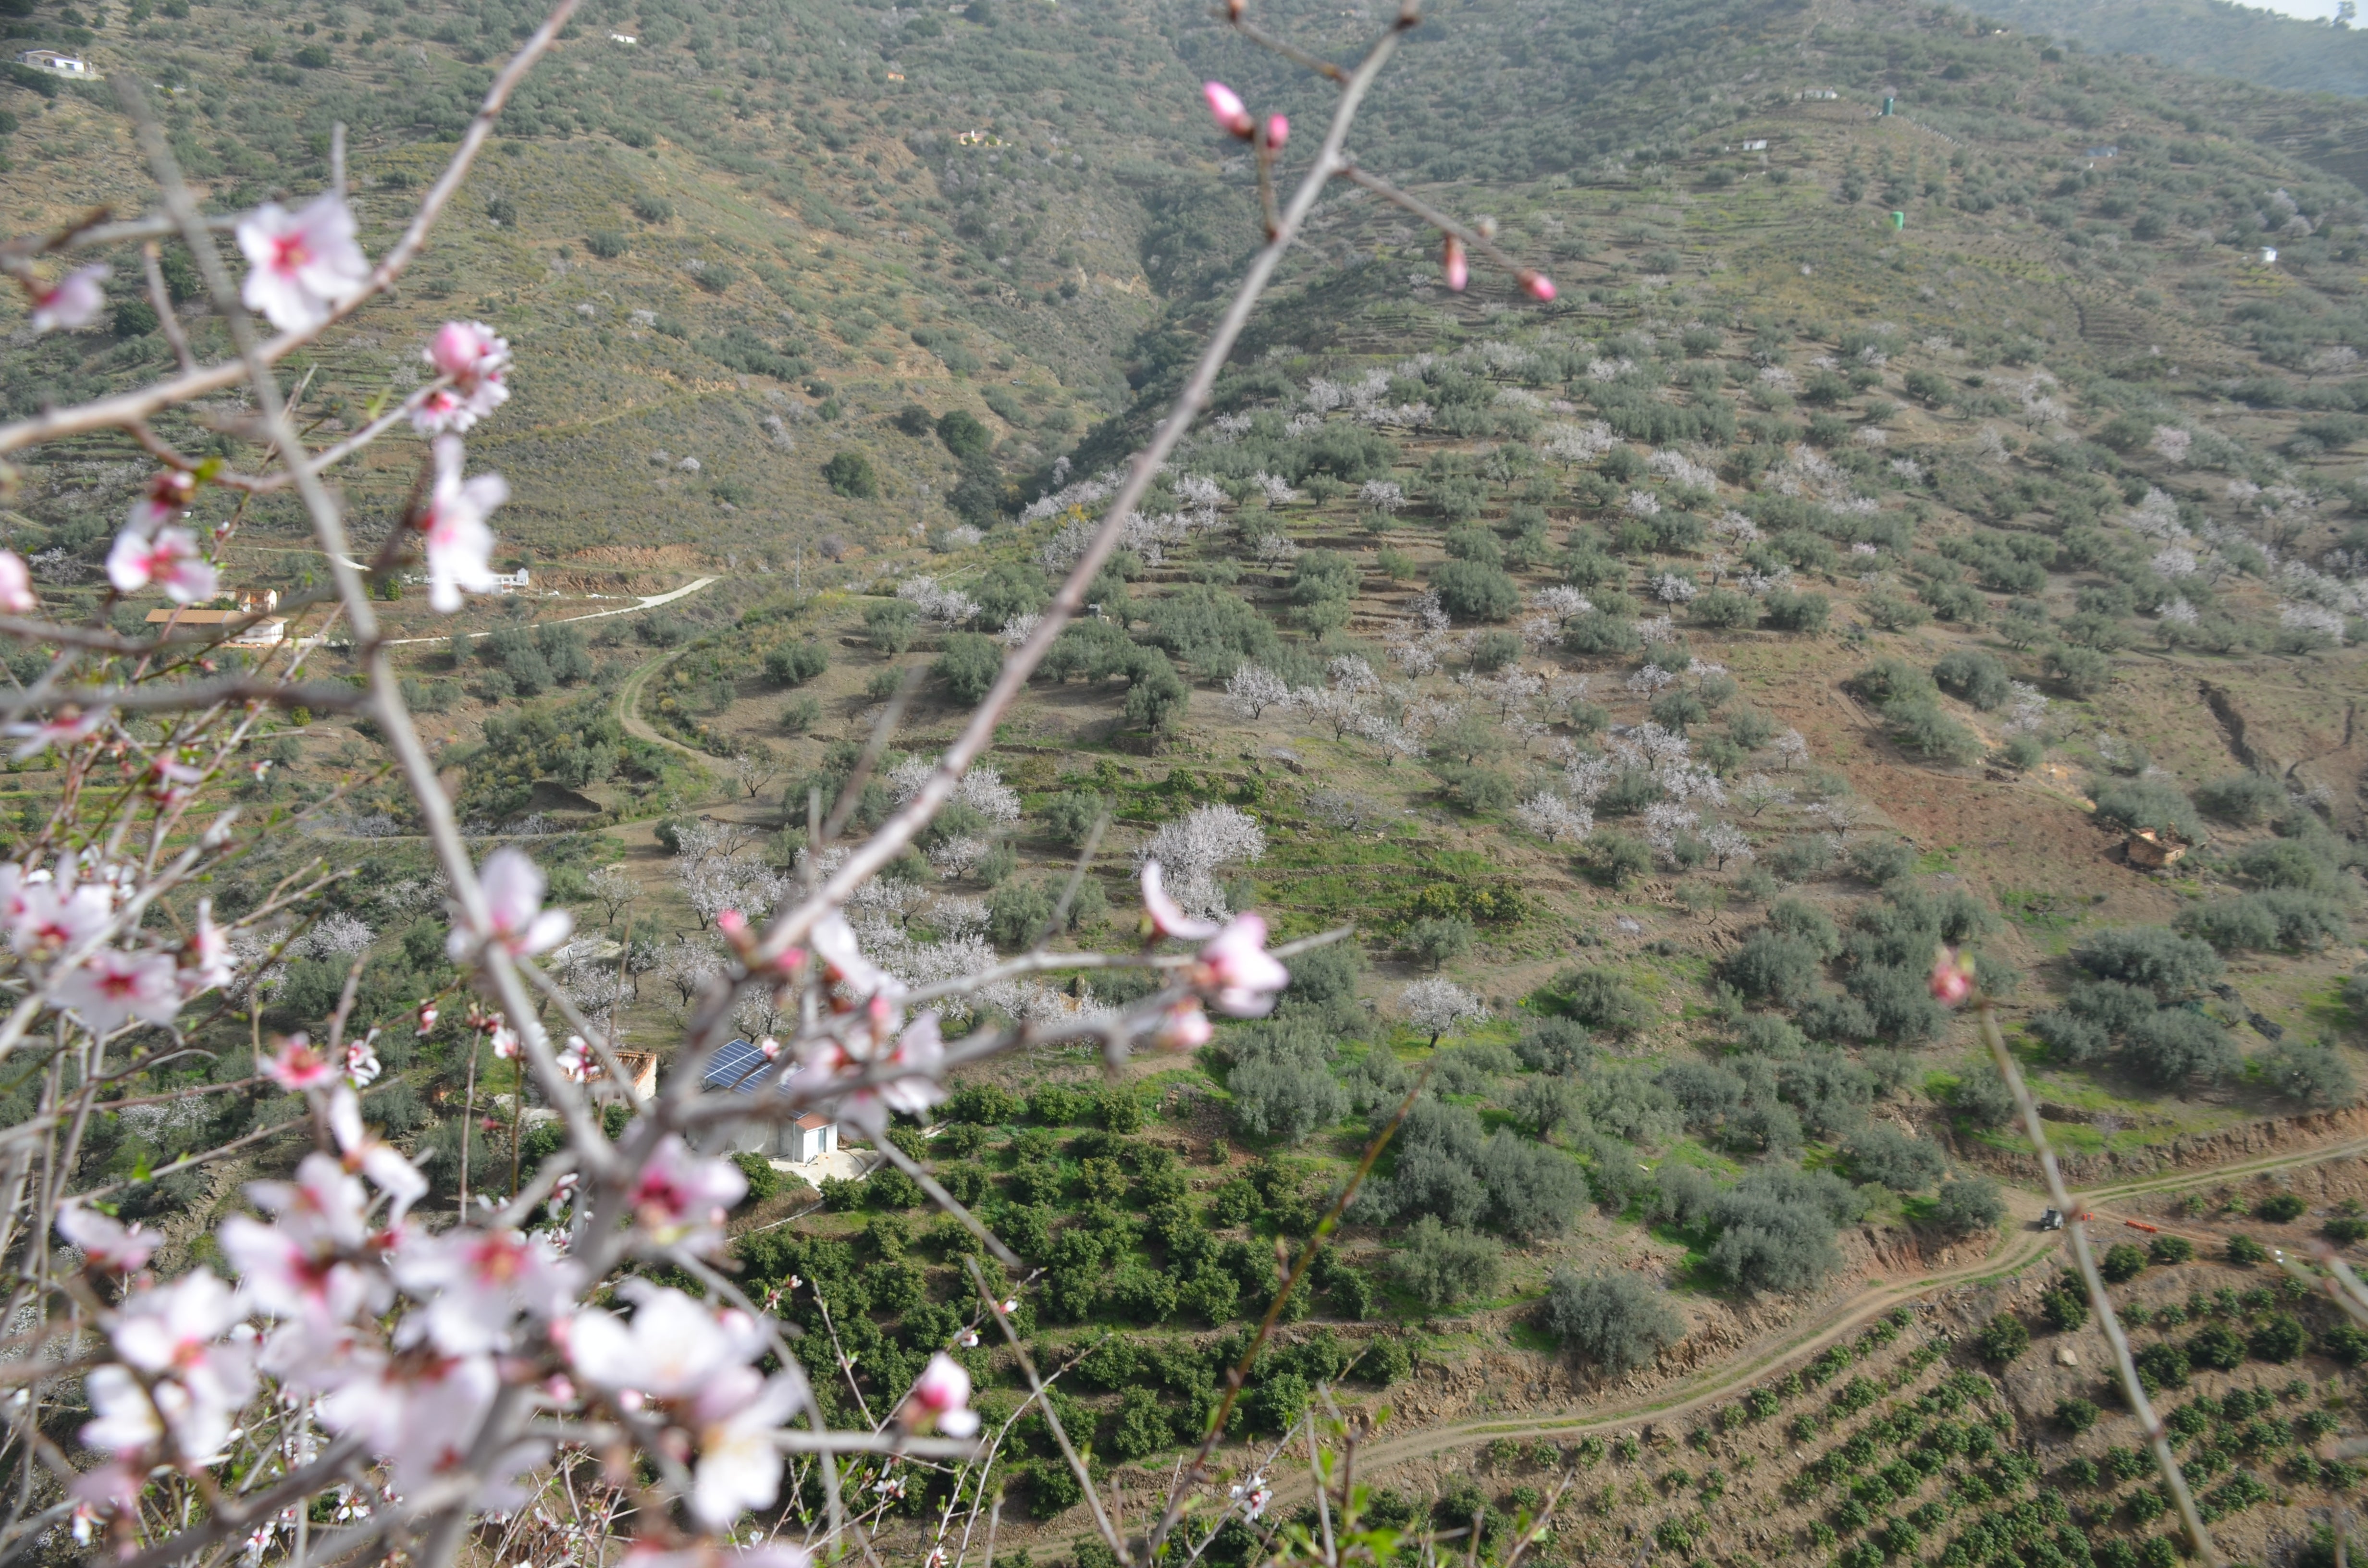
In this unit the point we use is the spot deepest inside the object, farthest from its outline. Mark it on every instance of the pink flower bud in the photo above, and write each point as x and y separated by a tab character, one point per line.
1226	106
1952	977
1458	270
1536	284
1277	131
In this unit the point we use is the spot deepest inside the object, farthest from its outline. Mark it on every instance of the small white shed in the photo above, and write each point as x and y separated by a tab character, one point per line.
814	1136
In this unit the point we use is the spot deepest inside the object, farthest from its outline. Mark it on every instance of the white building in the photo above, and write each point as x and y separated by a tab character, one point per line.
51	60
814	1136
510	582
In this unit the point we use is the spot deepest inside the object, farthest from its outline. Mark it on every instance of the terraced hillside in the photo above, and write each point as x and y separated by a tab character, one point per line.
1903	528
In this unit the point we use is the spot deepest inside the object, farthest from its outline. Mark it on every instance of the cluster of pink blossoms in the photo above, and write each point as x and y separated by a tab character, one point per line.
303	267
53	915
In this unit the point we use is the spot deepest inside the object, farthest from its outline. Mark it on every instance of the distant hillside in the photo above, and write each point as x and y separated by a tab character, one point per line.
2210	36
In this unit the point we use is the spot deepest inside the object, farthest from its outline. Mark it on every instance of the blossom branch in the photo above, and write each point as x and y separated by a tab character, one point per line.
795	924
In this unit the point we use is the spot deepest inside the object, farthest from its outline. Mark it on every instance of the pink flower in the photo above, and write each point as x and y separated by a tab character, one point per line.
1226	105
420	1410
1277	131
575	1061
735	1418
73	302
174	1333
475	360
834	943
48	915
127	1423
1167	916
364	1152
305	263
68	726
1183	1026
681	1197
1458	270
1952	977
362	1065
475	1282
673	1347
514	917
297	1067
459	545
940	1396
1238	970
114	986
17	595
167	496
106	1245
205	958
506	1043
426	1019
172	559
1535	284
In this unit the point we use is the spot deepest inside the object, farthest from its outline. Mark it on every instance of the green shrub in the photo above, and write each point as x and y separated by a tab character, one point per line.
2244	1251
606	244
1443	1265
1973	677
794	664
1968	1206
1471	590
964	434
2122	1262
2168	1251
849	473
968	666
1785	610
2002	1338
2075	1414
2245	799
1612	1318
2081	672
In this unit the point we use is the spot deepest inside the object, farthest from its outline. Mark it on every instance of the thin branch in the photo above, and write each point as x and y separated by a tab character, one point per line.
1052	1416
2133	1388
793	927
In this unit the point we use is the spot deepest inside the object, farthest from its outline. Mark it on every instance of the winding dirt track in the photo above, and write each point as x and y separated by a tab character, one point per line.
2019	1249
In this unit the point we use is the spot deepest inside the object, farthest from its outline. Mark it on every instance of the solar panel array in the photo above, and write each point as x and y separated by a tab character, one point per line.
738	1066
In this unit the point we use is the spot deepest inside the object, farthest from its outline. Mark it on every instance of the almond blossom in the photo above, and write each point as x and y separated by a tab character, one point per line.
681	1197
172	559
168	496
17	595
476	1282
1458	270
1226	106
368	1155
940	1397
306	263
475	360
297	1067
67	727
106	1243
46	915
1237	971
113	986
72	303
174	1334
459	545
515	918
1167	916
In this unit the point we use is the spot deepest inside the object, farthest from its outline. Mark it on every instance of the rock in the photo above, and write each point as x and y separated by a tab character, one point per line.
2065	1357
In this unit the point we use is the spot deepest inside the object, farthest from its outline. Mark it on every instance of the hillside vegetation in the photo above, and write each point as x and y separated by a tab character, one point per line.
1894	517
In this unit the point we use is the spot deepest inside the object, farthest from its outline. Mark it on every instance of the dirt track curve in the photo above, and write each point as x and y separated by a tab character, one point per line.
2019	1248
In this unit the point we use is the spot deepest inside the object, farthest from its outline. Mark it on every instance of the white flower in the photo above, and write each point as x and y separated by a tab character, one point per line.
514	912
106	1243
305	263
459	545
474	1282
73	302
17	595
172	558
476	359
940	1396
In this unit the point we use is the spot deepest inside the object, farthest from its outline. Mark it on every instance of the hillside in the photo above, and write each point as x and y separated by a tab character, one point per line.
2213	36
1895	515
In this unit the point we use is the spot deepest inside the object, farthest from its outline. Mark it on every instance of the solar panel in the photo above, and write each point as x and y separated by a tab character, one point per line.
738	1066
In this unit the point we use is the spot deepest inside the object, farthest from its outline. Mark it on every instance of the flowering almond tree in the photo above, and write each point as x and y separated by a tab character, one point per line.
347	1378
